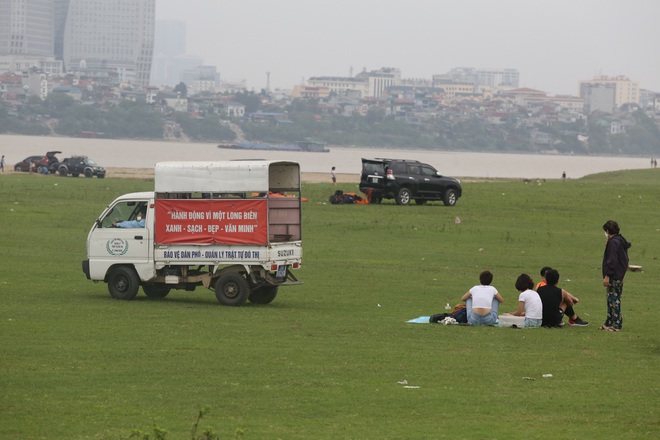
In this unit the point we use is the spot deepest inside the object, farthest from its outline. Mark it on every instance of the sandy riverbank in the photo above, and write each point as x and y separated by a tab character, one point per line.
148	173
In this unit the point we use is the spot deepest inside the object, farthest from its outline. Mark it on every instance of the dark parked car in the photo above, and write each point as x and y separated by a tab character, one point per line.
24	165
78	165
39	162
406	180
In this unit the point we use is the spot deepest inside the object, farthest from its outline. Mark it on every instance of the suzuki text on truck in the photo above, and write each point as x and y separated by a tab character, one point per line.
233	227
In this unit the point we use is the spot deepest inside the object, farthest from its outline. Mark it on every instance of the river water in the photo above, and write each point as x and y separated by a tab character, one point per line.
144	154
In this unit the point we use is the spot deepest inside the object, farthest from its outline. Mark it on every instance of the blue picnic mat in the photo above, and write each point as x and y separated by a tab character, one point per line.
420	320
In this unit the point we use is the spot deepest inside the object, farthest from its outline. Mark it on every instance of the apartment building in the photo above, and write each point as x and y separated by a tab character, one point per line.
118	36
453	89
26	28
339	84
599	97
498	78
27	36
201	79
308	92
625	90
493	78
370	84
379	80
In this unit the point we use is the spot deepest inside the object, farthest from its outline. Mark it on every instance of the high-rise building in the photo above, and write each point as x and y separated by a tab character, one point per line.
26	28
170	59
598	97
60	10
625	90
113	36
170	38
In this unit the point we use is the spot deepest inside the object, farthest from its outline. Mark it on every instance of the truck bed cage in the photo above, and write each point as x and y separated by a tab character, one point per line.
240	177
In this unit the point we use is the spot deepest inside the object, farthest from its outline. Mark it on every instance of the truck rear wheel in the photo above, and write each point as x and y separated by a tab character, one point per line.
123	283
155	291
232	289
263	295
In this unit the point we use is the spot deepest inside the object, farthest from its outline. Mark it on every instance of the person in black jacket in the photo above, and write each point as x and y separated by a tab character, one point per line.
615	265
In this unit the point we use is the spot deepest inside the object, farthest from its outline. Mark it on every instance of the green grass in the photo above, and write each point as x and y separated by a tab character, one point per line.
323	360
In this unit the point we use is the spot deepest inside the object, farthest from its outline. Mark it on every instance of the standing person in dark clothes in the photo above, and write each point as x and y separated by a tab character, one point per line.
615	265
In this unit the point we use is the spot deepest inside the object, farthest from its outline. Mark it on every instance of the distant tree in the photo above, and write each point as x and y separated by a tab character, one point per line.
375	115
204	129
302	105
250	100
59	102
181	89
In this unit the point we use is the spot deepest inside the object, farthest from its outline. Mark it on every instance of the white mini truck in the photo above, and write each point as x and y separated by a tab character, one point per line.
230	226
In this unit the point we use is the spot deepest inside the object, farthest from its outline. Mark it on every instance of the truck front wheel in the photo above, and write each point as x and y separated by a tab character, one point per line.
123	283
263	295
232	289
155	291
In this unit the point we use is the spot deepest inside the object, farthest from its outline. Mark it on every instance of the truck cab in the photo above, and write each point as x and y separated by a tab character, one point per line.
233	227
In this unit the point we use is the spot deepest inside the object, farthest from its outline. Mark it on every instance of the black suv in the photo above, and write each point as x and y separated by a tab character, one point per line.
78	165
406	180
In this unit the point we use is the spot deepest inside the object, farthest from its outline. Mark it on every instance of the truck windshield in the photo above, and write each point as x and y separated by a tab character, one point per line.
122	211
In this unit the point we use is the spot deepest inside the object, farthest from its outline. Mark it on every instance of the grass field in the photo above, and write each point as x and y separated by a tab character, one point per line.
325	359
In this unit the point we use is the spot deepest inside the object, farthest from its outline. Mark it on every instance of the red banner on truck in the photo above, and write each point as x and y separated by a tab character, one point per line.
211	221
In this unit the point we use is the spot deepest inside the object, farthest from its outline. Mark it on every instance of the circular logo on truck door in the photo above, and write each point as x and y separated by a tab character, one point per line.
117	247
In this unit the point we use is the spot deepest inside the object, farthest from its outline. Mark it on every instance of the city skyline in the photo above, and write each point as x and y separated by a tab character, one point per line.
553	44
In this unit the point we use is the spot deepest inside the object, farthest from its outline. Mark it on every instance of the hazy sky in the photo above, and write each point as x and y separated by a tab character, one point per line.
552	43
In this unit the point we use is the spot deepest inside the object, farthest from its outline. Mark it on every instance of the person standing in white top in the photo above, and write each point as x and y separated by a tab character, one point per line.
482	301
529	302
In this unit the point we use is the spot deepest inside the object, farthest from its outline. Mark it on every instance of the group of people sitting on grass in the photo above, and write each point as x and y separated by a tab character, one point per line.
542	306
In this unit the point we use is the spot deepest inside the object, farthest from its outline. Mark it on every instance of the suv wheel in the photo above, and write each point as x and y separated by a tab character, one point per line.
63	171
403	197
450	197
89	172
